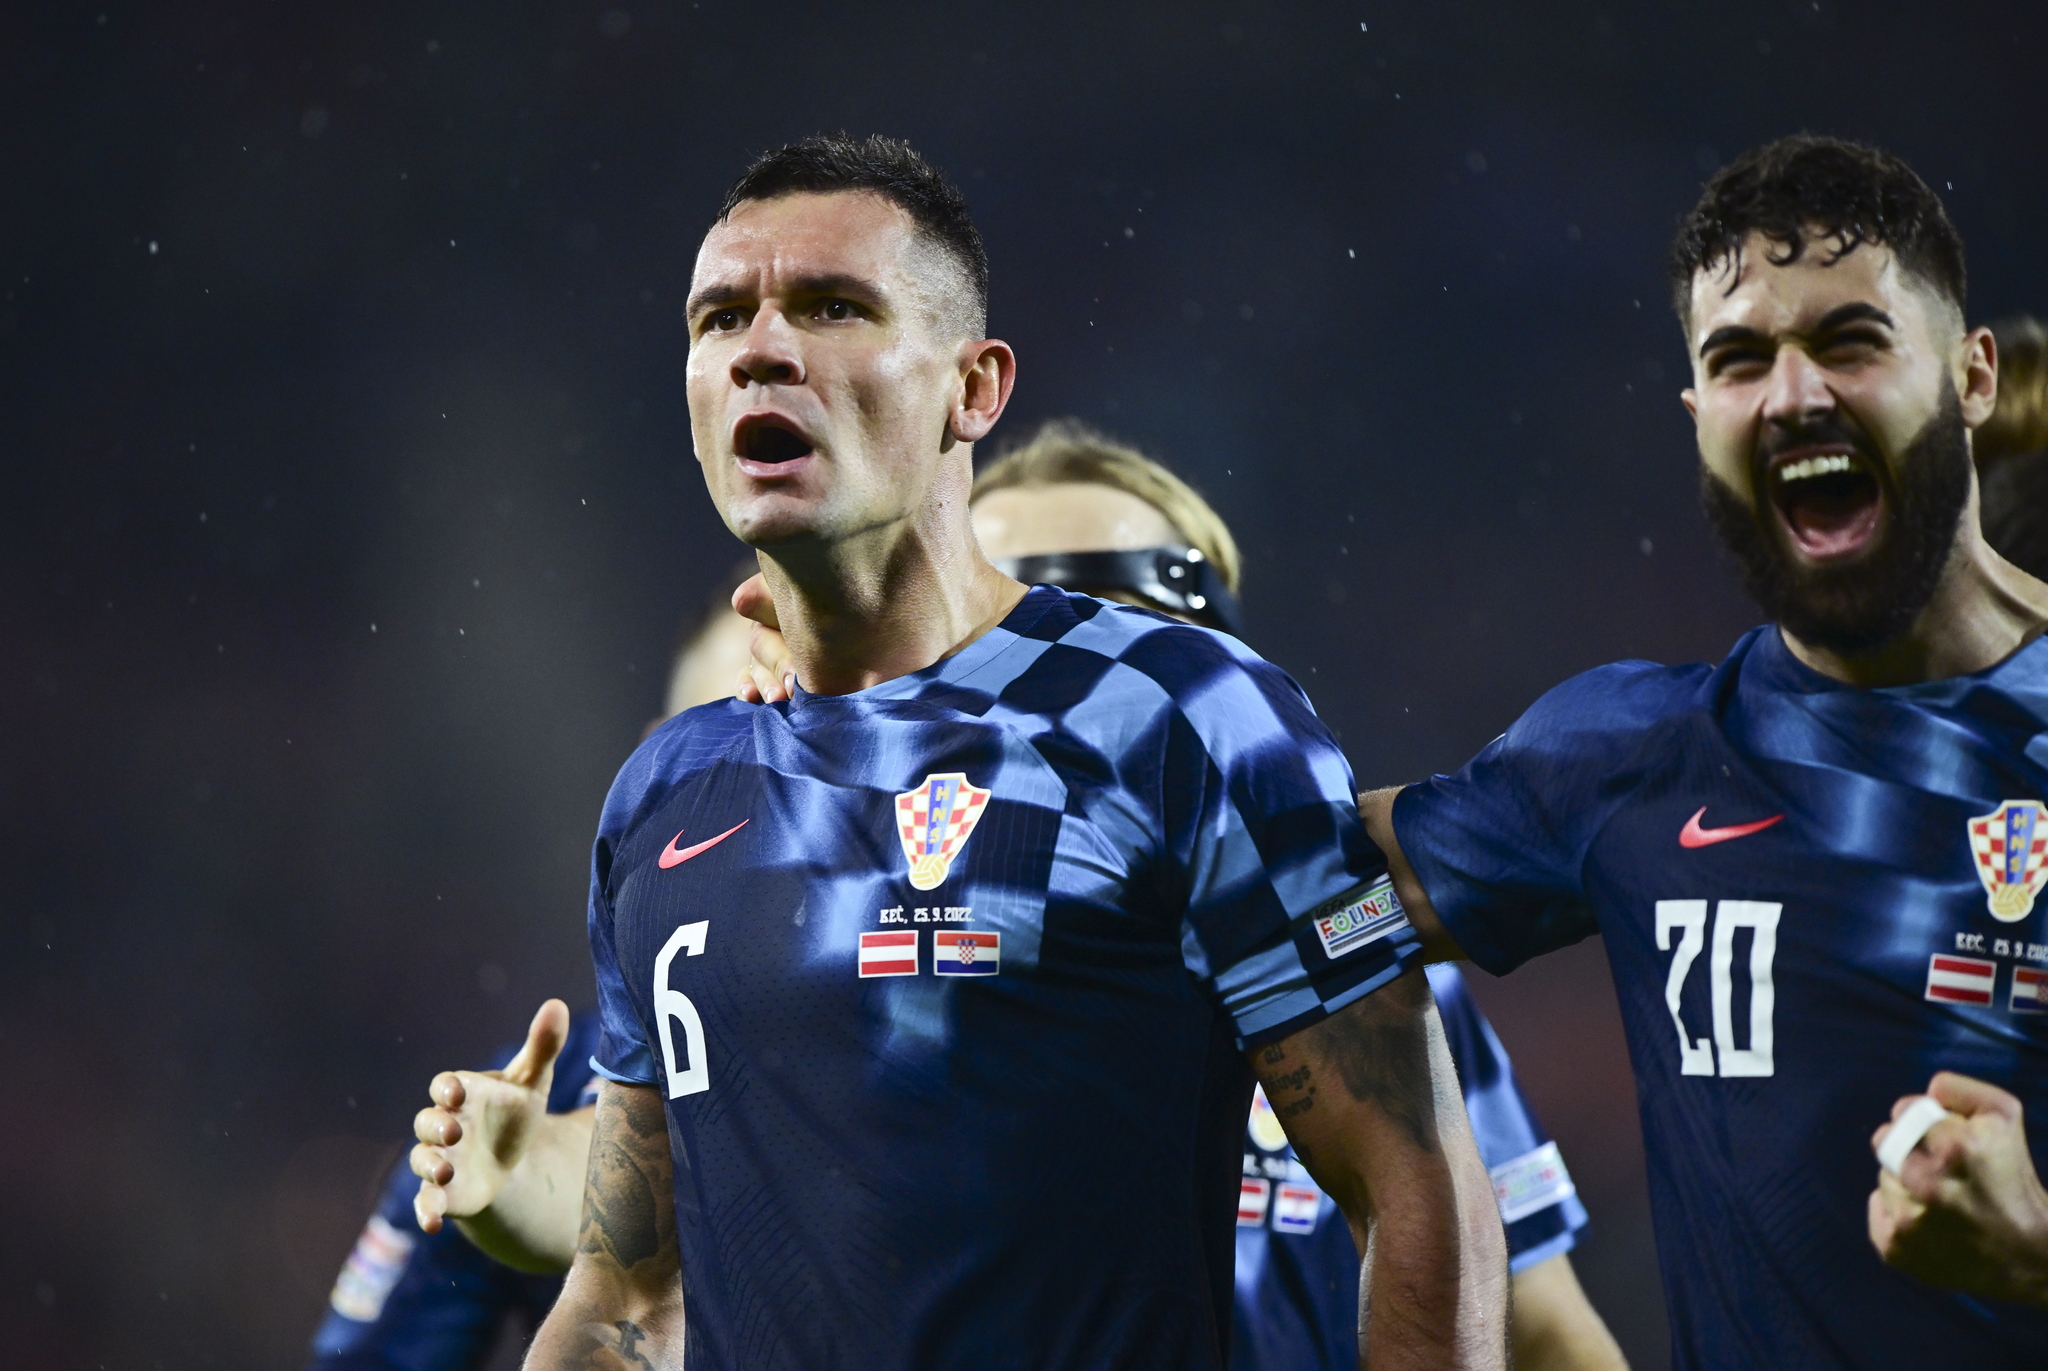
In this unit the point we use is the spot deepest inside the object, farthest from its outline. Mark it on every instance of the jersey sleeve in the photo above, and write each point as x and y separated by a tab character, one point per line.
623	1053
1539	1206
1289	913
1499	846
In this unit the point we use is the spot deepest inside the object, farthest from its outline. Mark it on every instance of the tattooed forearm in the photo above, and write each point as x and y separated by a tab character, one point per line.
1383	1058
627	1214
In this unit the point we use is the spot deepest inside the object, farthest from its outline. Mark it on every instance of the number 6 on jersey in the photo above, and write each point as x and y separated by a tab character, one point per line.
674	1004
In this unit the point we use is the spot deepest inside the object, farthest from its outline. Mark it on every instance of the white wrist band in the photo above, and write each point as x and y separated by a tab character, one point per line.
1906	1134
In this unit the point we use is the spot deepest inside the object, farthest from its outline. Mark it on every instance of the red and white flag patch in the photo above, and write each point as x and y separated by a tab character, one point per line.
1960	980
1295	1208
2029	991
1254	1193
888	954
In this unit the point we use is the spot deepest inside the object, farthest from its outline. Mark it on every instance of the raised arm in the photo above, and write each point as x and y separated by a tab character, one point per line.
622	1305
1370	1100
492	1158
1376	807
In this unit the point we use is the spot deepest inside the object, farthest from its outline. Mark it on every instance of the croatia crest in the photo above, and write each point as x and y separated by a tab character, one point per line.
2010	845
935	821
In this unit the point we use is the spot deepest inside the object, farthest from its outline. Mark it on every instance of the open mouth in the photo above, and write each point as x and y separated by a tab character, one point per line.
770	440
1830	501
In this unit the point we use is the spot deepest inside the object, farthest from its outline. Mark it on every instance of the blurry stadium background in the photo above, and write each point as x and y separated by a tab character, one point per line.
349	514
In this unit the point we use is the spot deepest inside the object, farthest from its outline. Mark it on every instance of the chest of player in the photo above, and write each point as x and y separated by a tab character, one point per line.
1786	919
881	888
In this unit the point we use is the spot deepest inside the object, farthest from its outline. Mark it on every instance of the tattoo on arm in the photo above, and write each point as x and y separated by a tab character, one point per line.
628	1214
1378	1049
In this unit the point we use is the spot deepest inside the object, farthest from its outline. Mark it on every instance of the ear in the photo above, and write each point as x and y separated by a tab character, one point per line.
1977	376
987	371
1690	398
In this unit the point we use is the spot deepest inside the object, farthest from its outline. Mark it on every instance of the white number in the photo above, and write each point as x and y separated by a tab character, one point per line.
1762	919
1697	1058
674	1004
1694	1058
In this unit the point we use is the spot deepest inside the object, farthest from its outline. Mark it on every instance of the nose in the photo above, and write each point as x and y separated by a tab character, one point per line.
770	356
1797	392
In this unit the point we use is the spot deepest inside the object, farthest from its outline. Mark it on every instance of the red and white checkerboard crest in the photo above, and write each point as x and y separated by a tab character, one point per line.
2010	845
935	821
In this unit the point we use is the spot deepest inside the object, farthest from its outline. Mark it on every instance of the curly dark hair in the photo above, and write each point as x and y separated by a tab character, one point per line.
892	169
1809	188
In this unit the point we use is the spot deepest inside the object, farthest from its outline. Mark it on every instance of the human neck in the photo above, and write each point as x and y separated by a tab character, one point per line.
1984	610
886	602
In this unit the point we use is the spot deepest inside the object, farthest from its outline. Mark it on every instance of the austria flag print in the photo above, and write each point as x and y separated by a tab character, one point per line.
1960	980
967	954
888	954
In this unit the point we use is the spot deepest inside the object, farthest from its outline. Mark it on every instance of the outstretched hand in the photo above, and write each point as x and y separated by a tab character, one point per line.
481	1124
769	675
1967	1209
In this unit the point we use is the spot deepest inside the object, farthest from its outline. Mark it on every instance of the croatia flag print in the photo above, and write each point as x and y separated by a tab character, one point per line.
1295	1208
888	954
967	954
2029	991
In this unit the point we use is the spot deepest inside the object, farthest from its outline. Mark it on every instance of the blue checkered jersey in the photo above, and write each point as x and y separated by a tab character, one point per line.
1297	1268
412	1301
946	985
1813	897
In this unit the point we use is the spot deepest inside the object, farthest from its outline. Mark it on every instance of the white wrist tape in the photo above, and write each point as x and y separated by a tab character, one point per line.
1906	1134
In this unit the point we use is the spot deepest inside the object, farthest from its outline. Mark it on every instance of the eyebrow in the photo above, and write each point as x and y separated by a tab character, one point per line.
1835	318
804	286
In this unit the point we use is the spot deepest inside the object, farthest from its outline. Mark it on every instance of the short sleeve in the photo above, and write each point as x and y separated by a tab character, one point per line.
1500	846
1289	913
1539	1205
622	1052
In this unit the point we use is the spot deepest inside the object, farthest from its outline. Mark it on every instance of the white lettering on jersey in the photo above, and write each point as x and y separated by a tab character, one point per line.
674	1004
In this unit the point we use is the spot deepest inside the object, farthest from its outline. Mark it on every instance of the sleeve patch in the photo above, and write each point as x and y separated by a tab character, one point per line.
372	1270
1531	1182
1353	920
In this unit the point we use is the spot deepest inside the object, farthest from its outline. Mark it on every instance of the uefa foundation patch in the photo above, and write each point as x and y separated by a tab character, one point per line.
1350	922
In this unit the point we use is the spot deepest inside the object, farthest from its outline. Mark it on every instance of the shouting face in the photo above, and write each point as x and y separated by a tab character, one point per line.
1833	397
826	372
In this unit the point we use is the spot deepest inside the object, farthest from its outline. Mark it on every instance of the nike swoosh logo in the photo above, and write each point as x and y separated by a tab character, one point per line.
676	856
1692	835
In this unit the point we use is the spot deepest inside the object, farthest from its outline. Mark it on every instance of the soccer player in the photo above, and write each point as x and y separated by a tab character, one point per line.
901	977
1071	508
1815	864
2012	448
423	1298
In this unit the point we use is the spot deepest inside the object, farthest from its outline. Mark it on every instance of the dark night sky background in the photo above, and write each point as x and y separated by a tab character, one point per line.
349	513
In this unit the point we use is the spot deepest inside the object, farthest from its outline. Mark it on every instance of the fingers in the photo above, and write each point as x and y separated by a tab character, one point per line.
428	1206
770	665
437	1127
431	1165
752	601
743	688
1968	1095
534	1066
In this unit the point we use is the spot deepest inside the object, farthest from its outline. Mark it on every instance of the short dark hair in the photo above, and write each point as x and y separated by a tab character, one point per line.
890	168
1807	185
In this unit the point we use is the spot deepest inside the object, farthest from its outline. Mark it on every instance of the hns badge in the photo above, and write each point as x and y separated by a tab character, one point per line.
2011	847
967	954
935	820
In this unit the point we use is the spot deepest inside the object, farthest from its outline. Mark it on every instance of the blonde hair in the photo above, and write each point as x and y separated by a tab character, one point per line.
1067	451
2019	423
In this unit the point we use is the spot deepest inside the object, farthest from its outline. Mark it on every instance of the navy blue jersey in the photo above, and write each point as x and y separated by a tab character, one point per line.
946	985
1813	897
413	1301
1297	1268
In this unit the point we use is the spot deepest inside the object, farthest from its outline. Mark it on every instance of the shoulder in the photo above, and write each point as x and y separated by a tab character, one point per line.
687	743
1608	709
1112	666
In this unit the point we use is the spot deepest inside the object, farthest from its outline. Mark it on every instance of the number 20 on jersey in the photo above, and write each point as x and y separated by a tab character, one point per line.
1688	919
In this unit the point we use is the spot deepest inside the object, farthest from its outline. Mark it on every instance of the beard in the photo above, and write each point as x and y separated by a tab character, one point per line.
1870	601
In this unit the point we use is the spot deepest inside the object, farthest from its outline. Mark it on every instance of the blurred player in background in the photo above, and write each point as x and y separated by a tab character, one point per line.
2011	448
1815	865
412	1300
1073	509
